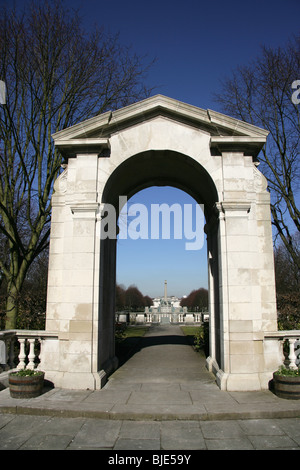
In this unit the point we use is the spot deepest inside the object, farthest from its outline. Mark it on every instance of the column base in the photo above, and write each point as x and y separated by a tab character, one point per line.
82	380
74	380
238	382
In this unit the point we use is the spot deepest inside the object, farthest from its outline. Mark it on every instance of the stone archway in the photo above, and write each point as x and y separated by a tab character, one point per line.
160	141
149	168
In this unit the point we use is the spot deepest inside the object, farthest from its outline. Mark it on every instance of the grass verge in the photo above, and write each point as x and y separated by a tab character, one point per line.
197	337
127	339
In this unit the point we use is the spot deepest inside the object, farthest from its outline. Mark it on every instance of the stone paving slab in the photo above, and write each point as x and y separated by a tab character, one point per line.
161	404
20	432
160	397
149	408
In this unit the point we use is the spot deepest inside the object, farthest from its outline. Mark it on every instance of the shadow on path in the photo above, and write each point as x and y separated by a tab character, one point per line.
154	337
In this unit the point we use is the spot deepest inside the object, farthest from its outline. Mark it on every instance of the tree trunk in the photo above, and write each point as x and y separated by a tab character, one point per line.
12	307
14	287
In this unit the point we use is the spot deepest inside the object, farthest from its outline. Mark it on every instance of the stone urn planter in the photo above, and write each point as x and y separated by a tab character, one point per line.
287	383
26	383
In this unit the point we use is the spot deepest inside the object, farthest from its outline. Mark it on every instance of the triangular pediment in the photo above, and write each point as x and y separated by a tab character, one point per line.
225	131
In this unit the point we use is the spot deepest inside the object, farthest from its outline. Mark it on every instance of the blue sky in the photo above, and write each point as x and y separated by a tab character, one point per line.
147	263
196	44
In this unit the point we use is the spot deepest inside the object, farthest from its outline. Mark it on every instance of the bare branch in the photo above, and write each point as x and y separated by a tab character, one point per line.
55	75
260	93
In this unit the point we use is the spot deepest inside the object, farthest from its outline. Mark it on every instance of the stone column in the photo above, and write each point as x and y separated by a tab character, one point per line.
247	303
72	303
212	230
238	299
246	293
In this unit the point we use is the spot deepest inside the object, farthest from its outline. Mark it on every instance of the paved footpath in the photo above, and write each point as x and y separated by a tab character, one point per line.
27	432
161	399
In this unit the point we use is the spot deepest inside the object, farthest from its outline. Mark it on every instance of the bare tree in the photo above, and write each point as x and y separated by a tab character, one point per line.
261	93
197	299
55	76
134	298
287	274
120	297
287	287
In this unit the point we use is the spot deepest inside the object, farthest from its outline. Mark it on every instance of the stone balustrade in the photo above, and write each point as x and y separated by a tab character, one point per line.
7	340
289	346
157	317
22	349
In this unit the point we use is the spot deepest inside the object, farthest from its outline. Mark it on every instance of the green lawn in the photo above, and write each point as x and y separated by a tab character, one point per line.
135	331
190	330
127	338
198	337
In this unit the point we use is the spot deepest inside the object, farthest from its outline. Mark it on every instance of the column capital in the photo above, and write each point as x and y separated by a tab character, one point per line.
233	208
84	210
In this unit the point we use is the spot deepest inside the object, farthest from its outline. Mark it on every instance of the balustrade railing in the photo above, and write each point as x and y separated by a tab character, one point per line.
21	349
289	341
7	340
157	317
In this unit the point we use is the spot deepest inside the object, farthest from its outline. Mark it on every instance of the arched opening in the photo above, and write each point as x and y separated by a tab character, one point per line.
161	168
144	170
159	241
